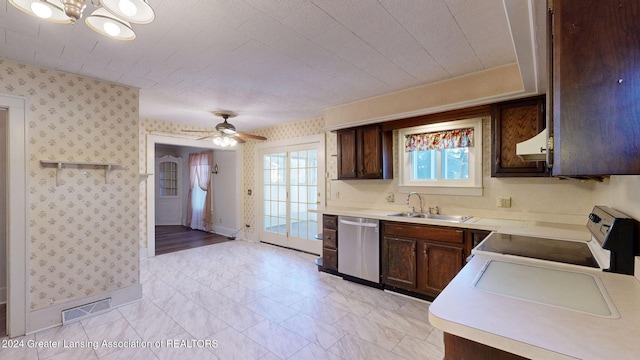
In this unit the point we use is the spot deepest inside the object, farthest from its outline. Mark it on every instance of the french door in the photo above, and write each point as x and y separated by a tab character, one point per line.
290	196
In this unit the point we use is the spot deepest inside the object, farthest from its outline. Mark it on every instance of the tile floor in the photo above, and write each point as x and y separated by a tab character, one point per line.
254	301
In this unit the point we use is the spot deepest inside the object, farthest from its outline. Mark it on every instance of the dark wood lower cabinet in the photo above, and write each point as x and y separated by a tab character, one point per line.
421	258
330	243
399	260
439	265
458	348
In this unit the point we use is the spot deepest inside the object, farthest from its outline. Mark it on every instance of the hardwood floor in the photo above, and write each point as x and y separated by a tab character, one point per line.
3	320
170	238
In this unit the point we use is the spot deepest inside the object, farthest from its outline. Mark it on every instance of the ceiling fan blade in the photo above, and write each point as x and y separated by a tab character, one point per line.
198	131
207	137
238	139
251	136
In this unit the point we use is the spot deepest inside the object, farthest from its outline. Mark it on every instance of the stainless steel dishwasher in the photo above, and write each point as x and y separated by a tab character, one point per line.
359	248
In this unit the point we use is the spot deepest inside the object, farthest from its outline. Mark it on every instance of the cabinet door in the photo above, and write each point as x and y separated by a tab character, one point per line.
330	259
513	122
347	154
438	265
370	152
399	262
596	82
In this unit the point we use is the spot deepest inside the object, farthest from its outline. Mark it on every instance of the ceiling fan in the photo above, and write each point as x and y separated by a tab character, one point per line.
226	134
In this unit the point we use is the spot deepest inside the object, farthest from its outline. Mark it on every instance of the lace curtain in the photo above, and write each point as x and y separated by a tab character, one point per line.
448	139
199	200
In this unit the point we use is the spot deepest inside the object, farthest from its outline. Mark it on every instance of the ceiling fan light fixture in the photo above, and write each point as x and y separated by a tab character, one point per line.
224	141
134	11
50	10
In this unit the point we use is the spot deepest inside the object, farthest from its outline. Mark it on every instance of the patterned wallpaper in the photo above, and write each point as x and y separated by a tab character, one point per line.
83	233
309	127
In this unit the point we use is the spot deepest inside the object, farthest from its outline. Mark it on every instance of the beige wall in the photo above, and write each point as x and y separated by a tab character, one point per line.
621	193
483	87
83	233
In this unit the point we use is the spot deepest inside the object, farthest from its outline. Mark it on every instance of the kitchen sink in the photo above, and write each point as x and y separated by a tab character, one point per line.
451	218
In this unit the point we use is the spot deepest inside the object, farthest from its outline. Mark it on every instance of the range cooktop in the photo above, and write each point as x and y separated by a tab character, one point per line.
568	252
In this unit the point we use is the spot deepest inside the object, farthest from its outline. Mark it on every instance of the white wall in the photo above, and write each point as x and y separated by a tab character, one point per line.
225	199
3	209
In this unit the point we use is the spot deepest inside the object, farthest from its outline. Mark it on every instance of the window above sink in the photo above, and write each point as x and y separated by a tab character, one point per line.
442	158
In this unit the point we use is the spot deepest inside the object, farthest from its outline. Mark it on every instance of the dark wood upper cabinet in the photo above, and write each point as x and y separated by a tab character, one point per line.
365	153
596	87
513	122
347	160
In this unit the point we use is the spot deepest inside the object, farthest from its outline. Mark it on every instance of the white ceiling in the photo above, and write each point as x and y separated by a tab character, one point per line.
271	61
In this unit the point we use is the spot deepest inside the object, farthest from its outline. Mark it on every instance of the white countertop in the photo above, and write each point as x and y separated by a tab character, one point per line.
540	331
506	226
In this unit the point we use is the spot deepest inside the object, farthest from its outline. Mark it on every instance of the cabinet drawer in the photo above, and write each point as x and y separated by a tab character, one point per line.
424	232
330	259
330	238
330	222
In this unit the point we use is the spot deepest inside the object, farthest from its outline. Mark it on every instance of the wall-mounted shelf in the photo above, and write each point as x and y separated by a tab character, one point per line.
60	164
145	176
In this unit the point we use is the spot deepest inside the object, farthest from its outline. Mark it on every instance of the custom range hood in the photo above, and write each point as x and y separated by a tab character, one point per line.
534	149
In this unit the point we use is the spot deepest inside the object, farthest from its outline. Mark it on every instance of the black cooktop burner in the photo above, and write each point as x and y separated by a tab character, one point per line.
569	252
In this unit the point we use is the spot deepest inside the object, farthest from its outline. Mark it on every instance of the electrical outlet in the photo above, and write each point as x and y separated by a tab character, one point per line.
390	197
337	195
503	201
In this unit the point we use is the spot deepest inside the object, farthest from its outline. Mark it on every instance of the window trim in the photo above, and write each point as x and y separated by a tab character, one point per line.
470	187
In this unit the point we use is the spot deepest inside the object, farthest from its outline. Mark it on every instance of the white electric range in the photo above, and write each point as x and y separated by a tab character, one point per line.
612	248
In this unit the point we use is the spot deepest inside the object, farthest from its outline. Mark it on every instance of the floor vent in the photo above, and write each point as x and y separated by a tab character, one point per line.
85	311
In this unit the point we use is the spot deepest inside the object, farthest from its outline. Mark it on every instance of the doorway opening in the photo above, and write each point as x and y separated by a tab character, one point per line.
167	227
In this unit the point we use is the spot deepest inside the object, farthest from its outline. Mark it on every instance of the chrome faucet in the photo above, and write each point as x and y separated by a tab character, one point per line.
413	208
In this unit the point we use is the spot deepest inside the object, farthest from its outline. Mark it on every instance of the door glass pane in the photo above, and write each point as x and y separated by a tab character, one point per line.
303	165
274	183
168	178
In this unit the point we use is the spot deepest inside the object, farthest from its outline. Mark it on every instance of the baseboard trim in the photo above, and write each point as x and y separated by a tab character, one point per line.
39	320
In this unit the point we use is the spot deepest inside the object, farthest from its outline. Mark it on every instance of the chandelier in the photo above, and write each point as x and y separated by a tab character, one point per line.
112	18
